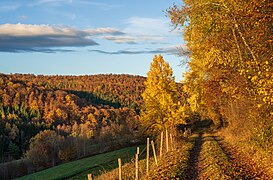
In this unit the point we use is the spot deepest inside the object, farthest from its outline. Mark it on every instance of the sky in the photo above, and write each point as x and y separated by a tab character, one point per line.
79	37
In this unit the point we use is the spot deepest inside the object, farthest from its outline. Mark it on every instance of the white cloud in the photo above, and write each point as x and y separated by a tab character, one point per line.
34	30
180	50
9	7
108	30
28	36
105	6
23	18
43	29
134	39
50	2
147	26
144	30
138	31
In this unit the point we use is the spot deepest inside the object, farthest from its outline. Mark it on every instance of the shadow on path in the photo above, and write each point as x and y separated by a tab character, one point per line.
192	167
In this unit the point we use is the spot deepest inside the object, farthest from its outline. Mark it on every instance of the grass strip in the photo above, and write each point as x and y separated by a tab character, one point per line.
70	169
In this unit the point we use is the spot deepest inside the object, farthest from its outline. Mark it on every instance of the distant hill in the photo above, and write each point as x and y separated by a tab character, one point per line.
103	89
74	105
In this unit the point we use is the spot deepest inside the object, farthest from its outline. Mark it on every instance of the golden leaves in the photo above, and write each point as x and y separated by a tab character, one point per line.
160	96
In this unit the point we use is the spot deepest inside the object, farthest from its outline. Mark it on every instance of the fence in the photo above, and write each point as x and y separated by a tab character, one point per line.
169	145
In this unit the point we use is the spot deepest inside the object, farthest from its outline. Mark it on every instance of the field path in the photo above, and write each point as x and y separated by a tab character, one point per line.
212	158
192	168
242	166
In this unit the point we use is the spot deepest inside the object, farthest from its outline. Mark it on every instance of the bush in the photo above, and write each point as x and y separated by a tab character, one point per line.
43	150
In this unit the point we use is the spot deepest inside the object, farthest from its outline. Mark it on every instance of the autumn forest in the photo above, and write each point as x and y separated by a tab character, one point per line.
220	116
83	106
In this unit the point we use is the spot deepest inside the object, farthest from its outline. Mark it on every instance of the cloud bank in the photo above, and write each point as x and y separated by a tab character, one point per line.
131	39
143	30
180	50
50	38
27	37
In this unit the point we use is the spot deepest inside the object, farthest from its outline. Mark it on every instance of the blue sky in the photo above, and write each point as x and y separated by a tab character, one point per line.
86	37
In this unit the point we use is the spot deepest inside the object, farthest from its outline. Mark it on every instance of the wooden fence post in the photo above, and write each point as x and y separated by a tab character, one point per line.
90	176
167	141
147	160
136	166
119	168
171	138
161	144
153	146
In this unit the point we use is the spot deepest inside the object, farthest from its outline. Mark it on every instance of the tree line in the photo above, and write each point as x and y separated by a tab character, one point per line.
230	77
92	109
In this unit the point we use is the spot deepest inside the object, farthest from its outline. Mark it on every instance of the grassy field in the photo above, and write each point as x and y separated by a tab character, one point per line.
80	168
171	166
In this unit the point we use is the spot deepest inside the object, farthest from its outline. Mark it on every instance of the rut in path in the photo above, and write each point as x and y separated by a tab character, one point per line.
241	167
234	166
192	167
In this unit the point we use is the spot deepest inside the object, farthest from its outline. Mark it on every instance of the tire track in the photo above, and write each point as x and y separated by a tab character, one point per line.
241	167
192	167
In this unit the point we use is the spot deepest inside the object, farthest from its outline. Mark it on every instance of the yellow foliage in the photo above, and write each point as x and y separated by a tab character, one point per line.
160	97
231	54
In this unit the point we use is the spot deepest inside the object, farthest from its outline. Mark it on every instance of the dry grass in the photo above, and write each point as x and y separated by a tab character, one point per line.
172	164
128	171
248	148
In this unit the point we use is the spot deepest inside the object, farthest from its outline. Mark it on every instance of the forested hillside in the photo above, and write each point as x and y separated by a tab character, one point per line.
216	124
91	107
